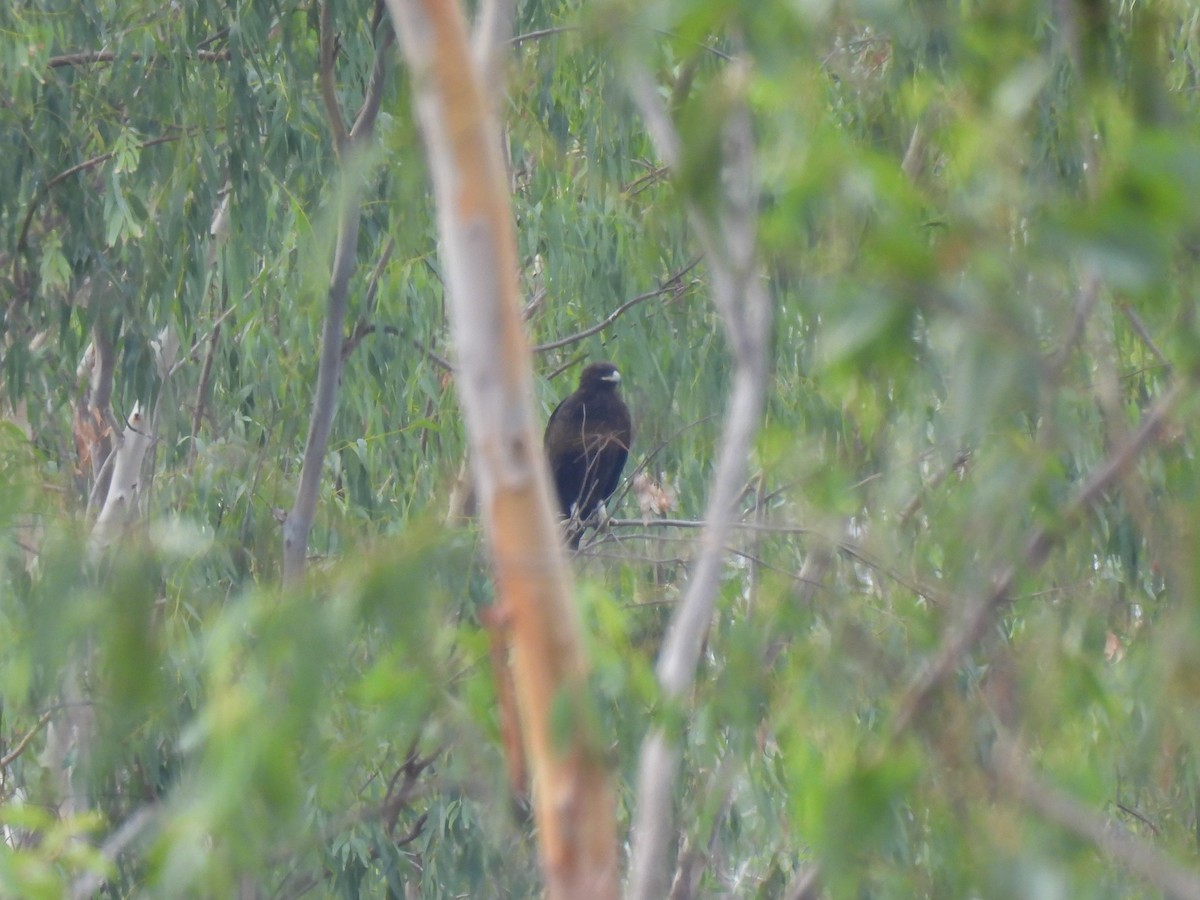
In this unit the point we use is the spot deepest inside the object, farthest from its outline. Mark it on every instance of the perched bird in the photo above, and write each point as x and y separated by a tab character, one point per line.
587	442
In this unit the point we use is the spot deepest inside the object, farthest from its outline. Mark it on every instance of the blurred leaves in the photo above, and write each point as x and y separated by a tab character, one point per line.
940	184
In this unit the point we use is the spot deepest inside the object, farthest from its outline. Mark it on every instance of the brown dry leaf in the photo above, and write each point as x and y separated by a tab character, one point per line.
1114	650
652	497
90	430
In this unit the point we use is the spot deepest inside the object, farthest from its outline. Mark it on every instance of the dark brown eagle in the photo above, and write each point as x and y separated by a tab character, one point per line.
587	442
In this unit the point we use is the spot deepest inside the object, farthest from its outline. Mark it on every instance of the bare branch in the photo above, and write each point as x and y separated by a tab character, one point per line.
1139	328
76	169
1130	811
671	285
728	242
87	885
202	385
299	521
1085	303
1115	842
981	613
325	63
362	327
520	39
364	122
93	57
11	756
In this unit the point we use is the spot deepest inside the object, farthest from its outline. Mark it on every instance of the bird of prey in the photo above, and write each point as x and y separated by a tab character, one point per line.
587	441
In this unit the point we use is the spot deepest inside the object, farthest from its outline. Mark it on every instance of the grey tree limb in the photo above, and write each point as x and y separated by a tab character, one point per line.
727	239
329	372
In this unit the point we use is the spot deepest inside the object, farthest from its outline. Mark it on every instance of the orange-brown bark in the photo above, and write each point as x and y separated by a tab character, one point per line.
573	801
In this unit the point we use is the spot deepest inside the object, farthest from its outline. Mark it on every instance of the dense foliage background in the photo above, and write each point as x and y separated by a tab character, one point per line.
978	229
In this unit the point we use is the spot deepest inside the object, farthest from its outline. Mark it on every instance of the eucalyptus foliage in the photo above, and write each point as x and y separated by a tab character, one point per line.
978	228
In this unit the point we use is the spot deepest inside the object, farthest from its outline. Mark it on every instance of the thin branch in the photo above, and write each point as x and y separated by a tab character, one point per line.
520	39
692	859
1085	303
364	122
87	885
377	274
642	182
918	498
39	196
535	303
219	35
203	384
737	524
1118	844
700	45
1130	811
982	612
361	327
106	56
403	788
671	285
100	484
9	758
842	545
914	163
1139	328
649	458
572	361
190	356
326	58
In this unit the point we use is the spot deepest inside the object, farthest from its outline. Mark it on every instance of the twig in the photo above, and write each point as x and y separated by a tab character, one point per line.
364	122
843	545
9	758
1041	541
1139	328
106	56
398	797
1130	811
642	182
205	380
518	40
577	358
190	356
1085	303
534	304
672	284
87	885
361	327
910	508
1118	844
76	169
649	457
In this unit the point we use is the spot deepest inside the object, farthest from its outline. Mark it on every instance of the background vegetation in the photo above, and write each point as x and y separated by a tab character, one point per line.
956	648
